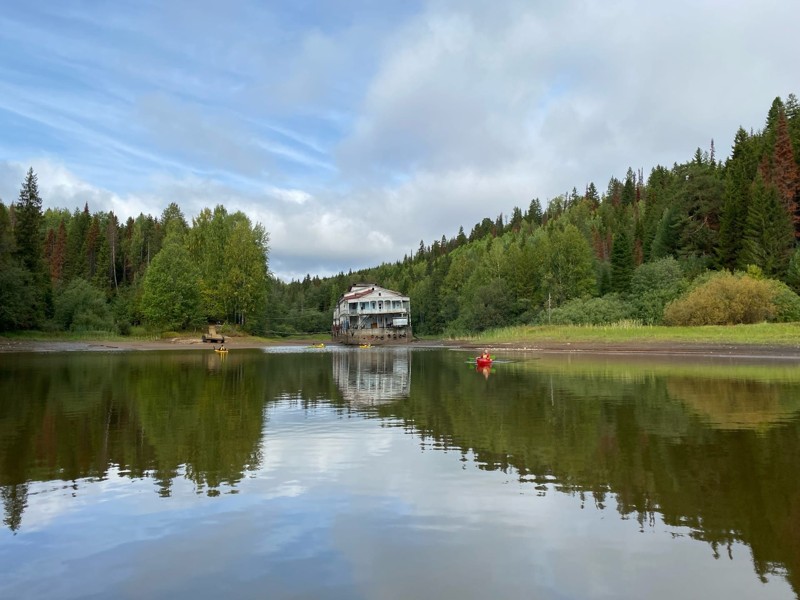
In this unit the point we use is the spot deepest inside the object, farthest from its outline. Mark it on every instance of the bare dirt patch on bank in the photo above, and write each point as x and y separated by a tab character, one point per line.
649	348
178	343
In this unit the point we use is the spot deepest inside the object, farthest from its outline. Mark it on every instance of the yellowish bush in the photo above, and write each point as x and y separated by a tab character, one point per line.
725	299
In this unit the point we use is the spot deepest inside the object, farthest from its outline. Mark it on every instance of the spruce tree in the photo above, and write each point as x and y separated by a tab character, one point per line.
629	189
461	238
768	232
534	215
27	229
592	196
28	222
76	265
739	174
622	264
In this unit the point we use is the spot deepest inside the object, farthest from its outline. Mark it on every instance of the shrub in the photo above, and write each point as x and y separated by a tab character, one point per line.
787	303
724	299
793	274
653	286
610	308
82	307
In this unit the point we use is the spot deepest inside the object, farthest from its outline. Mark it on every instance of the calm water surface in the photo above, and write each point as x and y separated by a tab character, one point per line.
356	473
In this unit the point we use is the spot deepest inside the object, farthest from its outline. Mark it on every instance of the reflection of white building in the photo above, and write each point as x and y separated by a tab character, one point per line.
373	376
368	313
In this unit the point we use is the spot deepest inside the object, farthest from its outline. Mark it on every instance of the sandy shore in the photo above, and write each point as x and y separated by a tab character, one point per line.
628	348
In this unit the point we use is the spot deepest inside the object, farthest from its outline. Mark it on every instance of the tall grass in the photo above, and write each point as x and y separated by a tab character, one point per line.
783	334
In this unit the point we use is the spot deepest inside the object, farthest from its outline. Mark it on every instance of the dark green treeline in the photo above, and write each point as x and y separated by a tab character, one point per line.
78	271
621	254
583	254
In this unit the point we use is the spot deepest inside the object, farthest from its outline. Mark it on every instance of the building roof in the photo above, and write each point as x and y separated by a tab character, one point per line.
355	292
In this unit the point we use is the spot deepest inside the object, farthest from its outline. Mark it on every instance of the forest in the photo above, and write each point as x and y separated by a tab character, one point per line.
702	242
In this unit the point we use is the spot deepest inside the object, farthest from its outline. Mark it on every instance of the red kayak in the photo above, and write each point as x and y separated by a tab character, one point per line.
483	362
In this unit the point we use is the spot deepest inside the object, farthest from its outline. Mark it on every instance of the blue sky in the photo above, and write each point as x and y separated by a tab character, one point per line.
352	130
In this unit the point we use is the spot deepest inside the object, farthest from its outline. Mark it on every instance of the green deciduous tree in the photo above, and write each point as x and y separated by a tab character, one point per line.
232	257
653	286
170	296
571	268
245	262
82	307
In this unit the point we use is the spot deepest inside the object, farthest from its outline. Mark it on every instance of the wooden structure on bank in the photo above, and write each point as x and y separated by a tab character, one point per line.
370	314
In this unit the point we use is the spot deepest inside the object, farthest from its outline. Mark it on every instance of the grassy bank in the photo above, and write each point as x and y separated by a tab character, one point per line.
765	334
771	334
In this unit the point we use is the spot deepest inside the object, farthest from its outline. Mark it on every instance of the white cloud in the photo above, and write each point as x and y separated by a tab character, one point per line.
352	137
289	195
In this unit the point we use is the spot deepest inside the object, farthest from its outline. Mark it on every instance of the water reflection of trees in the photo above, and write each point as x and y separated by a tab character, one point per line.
715	455
721	463
77	417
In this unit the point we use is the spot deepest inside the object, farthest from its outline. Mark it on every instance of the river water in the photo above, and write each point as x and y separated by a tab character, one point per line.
397	473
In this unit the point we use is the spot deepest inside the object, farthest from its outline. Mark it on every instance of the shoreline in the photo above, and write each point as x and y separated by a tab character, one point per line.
631	348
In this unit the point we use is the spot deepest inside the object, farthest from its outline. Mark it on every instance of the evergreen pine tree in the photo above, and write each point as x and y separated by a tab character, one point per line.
534	215
516	220
592	196
629	189
665	241
657	196
27	228
461	238
700	195
622	264
739	175
768	232
76	238
28	222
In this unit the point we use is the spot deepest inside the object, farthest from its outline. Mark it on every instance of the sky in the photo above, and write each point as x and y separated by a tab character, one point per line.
352	130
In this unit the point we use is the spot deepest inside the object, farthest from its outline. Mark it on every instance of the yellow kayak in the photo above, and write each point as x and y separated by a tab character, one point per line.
220	351
365	346
317	346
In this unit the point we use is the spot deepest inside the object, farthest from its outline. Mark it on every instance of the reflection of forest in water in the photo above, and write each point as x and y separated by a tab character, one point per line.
162	415
714	454
710	449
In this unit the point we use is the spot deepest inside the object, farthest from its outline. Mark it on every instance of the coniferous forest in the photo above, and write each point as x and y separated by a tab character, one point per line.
705	241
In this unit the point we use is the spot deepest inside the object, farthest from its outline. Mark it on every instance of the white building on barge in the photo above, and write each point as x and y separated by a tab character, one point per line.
370	314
